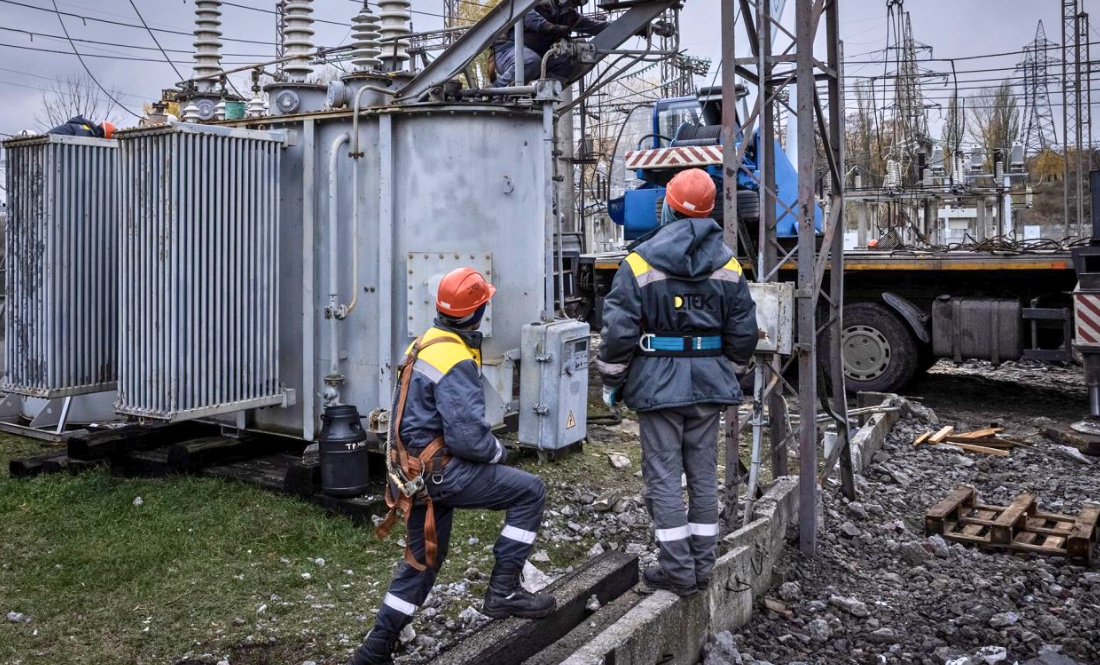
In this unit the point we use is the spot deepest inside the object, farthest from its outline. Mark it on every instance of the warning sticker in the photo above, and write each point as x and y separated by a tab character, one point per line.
570	422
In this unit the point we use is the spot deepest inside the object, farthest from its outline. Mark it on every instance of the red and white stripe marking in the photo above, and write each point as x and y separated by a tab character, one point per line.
1086	313
681	157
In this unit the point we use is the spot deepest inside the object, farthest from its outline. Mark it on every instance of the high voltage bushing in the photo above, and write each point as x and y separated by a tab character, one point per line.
298	39
396	18
208	43
365	46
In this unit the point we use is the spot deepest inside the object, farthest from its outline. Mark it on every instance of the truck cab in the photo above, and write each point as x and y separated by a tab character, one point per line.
687	133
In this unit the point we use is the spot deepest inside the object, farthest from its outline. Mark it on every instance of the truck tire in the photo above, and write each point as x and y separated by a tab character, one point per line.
748	205
881	354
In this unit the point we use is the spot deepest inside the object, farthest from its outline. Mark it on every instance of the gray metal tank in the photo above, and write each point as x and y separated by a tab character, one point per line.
427	189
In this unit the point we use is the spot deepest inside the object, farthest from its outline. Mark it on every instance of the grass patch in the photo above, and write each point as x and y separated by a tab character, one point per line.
204	569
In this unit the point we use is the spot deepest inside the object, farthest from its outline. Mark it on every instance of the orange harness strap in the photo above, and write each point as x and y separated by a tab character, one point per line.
431	460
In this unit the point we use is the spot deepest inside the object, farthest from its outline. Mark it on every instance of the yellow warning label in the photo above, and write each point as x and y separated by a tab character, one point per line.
570	422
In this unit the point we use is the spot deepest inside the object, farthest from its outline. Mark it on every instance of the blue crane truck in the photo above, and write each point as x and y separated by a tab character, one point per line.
903	309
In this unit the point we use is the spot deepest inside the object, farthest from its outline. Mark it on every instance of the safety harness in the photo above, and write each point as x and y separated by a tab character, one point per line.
407	472
680	345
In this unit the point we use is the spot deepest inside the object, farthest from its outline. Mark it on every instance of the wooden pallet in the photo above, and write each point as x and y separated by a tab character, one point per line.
1018	527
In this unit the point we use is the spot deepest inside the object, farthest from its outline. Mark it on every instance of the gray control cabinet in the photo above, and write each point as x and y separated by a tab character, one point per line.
553	393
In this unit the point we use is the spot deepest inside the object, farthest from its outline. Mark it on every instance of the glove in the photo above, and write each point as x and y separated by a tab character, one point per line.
663	29
611	396
503	459
559	31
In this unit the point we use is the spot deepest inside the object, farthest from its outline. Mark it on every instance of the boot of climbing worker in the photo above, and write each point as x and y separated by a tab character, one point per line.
506	597
376	649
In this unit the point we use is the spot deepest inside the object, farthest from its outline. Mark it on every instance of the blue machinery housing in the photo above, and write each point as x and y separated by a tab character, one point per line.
696	121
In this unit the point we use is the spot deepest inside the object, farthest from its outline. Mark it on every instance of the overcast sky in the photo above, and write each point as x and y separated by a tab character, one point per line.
953	28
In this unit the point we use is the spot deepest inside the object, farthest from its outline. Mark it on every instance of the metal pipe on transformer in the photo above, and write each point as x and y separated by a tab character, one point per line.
551	214
385	253
309	135
333	380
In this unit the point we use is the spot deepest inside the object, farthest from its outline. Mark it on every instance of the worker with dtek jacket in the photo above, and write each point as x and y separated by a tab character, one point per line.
542	27
442	455
678	320
79	126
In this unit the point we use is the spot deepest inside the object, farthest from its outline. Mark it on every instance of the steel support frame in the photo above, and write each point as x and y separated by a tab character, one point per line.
482	34
815	117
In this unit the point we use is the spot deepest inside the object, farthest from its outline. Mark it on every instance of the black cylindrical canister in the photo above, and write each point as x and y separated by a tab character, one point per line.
343	448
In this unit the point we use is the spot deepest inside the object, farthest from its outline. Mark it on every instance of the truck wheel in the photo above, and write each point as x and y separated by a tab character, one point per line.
880	353
748	205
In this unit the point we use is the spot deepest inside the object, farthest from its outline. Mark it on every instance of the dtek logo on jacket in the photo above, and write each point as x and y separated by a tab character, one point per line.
694	302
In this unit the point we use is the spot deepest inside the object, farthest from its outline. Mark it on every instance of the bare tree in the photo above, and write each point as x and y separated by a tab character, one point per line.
471	12
995	118
864	138
73	95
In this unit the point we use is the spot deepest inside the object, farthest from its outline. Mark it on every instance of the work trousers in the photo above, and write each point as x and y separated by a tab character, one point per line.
677	441
494	487
559	67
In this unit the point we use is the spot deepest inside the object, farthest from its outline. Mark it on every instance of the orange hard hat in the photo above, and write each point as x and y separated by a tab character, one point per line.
462	291
108	129
691	193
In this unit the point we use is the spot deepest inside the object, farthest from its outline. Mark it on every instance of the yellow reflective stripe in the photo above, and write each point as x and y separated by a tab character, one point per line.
637	264
734	265
445	356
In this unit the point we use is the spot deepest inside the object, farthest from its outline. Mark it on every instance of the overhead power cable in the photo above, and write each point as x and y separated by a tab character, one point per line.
32	34
154	36
85	65
55	79
122	24
101	55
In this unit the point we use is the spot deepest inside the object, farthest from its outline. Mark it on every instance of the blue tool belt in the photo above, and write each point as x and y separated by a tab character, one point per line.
680	345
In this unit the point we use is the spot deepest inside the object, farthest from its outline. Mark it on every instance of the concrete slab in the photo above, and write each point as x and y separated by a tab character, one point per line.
869	438
593	625
663	628
731	593
512	641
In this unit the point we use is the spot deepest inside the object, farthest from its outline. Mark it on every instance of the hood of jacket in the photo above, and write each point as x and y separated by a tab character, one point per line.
689	247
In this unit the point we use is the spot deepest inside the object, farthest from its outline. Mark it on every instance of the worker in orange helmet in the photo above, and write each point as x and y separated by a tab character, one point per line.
79	126
677	322
442	455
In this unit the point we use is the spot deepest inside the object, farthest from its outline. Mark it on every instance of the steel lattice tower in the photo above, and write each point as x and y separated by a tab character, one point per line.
450	20
1071	114
1038	131
910	120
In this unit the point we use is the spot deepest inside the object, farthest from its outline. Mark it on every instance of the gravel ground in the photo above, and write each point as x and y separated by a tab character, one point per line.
880	592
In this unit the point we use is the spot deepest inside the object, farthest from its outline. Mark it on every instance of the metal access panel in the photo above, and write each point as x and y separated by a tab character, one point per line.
60	327
199	271
774	315
553	396
426	269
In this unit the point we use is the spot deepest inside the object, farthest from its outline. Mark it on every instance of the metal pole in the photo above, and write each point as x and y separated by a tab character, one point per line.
1069	13
1079	175
806	347
730	224
836	252
768	256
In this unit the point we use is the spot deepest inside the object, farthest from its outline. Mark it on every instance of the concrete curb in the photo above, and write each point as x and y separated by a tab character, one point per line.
666	629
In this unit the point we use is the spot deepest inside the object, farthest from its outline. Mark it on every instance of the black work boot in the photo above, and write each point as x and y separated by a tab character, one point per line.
655	578
376	649
506	597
